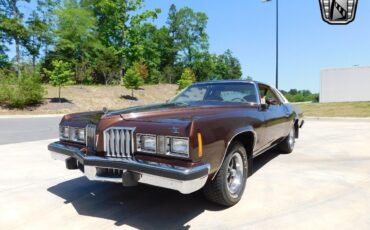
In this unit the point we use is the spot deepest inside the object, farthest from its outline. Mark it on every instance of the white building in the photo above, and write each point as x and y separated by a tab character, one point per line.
345	84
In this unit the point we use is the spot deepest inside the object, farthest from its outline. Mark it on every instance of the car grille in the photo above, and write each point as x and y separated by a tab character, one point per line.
118	142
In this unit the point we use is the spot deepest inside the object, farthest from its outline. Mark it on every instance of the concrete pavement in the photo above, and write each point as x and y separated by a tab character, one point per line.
323	184
16	129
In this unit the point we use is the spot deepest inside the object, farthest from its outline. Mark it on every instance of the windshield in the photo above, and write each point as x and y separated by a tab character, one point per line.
225	92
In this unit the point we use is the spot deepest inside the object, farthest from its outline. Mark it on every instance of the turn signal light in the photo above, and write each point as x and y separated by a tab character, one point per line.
200	145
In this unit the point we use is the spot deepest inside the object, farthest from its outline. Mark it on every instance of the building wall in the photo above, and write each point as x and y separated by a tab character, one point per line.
345	84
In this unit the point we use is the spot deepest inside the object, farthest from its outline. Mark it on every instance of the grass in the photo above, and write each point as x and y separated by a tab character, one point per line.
89	98
337	109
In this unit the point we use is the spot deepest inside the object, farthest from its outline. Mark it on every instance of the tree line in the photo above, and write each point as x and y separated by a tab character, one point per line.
295	95
109	42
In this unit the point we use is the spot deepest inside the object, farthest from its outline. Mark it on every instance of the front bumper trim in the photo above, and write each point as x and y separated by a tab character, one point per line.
184	180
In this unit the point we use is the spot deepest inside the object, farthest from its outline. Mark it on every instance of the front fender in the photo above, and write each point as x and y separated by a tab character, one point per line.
231	137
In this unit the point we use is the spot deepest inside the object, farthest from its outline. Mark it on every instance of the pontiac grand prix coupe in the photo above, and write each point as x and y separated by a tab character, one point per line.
205	137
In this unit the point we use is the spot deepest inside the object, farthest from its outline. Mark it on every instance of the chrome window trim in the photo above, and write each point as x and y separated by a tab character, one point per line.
258	94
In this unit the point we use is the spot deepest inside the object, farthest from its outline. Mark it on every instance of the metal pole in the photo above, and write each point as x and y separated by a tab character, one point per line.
277	45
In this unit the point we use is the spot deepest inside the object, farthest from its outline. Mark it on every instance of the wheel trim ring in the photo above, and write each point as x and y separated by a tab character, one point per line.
235	174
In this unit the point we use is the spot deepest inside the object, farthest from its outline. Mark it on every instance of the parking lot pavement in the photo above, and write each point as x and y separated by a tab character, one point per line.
16	129
323	184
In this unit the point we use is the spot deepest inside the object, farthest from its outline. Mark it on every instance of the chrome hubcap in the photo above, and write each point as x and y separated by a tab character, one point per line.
235	174
291	138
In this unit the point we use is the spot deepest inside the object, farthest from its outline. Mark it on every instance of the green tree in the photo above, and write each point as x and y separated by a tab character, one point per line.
188	31
187	78
142	69
227	66
60	75
132	80
36	28
46	13
165	47
4	62
11	25
107	64
204	66
77	38
293	91
118	23
169	74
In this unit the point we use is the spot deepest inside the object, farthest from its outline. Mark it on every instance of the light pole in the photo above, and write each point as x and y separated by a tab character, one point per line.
277	42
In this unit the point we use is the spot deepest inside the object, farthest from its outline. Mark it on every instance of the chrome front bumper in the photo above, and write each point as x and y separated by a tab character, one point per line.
184	180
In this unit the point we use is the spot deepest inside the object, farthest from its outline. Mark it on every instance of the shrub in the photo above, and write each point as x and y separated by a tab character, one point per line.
142	69
155	77
186	79
61	75
132	80
19	92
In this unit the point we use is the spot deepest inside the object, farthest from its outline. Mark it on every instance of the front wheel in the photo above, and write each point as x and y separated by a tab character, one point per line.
228	186
287	145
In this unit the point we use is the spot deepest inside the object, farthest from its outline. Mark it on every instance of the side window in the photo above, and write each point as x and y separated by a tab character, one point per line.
271	96
268	96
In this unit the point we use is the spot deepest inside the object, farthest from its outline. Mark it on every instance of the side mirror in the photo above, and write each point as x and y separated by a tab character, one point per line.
264	104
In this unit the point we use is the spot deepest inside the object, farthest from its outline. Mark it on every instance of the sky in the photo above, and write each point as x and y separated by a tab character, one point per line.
306	43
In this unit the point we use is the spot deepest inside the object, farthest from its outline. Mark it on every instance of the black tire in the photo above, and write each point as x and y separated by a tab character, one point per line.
287	145
220	189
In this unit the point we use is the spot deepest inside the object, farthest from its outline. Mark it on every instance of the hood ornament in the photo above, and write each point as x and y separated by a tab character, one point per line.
105	110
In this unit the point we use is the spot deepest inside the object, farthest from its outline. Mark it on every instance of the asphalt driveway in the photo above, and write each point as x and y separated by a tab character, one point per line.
323	184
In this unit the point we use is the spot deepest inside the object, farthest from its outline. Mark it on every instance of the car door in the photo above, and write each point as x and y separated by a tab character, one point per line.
288	110
274	113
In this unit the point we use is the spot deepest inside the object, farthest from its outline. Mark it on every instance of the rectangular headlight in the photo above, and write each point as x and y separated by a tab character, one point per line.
64	132
72	134
147	143
179	146
78	135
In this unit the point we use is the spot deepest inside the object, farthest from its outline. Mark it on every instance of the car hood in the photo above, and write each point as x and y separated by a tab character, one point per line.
175	112
161	113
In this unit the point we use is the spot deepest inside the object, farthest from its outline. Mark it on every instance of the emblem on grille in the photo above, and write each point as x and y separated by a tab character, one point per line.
338	11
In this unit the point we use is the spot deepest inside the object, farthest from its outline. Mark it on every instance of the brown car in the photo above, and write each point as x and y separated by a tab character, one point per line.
205	137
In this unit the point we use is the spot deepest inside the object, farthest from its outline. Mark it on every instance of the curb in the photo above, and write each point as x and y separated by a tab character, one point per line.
30	116
366	119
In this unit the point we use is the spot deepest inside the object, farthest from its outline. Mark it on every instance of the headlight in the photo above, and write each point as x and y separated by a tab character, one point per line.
72	134
179	146
78	135
146	143
64	132
163	145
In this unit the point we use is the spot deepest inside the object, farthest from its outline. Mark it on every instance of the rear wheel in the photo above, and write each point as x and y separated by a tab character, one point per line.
287	145
228	186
